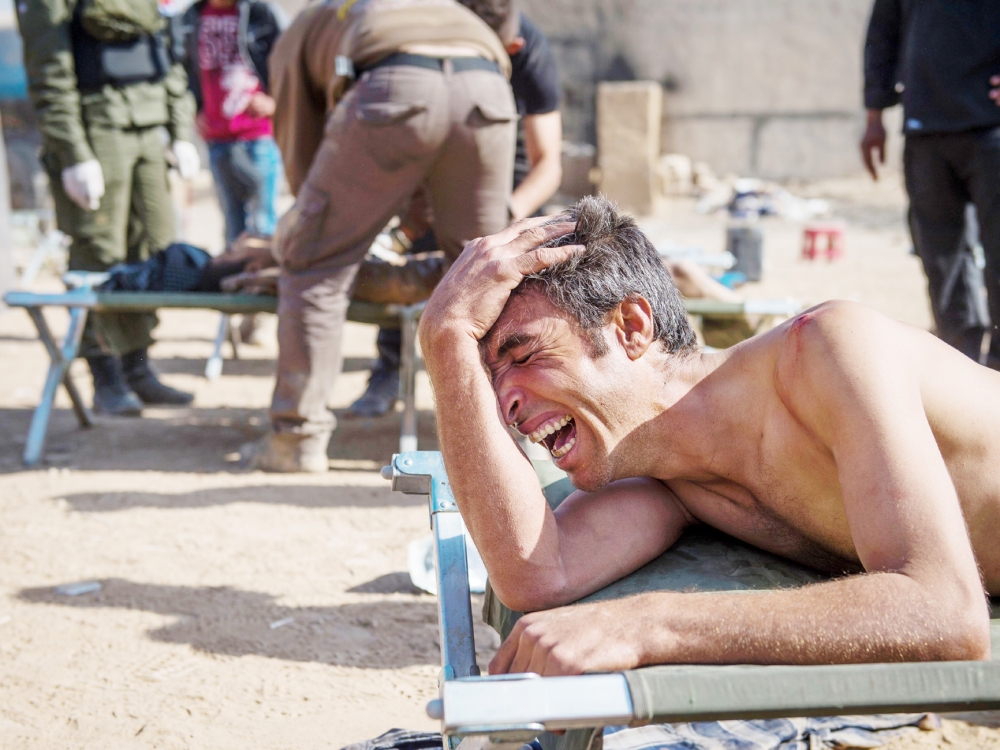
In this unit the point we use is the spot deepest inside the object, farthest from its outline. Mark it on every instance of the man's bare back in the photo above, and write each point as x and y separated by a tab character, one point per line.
781	492
842	439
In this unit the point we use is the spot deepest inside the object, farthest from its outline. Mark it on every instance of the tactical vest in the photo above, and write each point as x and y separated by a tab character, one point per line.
144	58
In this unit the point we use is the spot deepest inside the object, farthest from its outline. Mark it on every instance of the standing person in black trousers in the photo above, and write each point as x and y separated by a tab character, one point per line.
941	60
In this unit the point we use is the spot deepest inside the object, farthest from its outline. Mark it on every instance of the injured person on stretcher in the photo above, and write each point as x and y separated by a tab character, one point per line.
842	440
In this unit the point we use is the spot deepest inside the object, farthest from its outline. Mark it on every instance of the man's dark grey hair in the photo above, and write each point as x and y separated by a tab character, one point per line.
619	263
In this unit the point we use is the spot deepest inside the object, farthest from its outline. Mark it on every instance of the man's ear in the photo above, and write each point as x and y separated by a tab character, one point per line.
515	45
634	328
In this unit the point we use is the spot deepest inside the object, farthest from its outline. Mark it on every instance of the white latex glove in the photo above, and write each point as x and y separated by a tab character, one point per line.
84	184
188	161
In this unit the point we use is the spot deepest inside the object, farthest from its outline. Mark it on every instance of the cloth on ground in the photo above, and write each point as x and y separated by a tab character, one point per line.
764	734
406	739
400	739
827	733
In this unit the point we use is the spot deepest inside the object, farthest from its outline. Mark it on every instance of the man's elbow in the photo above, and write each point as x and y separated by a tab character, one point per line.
968	638
961	625
528	593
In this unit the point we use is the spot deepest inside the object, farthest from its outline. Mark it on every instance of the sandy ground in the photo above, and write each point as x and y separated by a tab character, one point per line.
244	610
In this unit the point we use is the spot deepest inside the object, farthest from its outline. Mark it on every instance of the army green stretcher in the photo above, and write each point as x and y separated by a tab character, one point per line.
82	298
517	708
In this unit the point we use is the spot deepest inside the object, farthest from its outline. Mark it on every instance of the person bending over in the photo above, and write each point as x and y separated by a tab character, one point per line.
842	439
534	80
373	100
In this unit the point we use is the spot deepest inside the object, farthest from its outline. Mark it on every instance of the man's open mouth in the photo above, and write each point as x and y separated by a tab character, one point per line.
558	435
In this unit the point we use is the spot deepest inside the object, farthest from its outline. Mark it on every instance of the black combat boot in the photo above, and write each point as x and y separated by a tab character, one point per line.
111	393
382	392
380	396
147	386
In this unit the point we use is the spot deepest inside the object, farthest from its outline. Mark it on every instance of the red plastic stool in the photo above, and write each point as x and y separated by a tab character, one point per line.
825	239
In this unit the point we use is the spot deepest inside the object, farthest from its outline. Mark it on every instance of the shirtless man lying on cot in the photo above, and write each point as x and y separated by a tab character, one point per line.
842	439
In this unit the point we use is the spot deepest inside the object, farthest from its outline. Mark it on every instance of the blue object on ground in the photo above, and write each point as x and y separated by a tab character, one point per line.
732	279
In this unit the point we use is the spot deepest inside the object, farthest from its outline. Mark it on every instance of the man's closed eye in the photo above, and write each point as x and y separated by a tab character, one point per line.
523	360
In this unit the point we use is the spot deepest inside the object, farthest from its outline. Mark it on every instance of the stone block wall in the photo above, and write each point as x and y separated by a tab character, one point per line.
768	88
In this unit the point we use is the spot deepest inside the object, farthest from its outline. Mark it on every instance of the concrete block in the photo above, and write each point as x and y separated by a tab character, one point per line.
628	142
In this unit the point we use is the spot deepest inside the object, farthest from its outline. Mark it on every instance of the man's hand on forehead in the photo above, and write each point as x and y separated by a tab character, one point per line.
473	293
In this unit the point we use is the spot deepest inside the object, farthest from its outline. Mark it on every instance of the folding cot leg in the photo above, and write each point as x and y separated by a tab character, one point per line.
82	413
234	337
213	368
408	378
423	473
58	373
458	646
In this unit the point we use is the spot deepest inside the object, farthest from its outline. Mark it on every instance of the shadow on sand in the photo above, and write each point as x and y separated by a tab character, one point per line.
229	621
187	440
298	495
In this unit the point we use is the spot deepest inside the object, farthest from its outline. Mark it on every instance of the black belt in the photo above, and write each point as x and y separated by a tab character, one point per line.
458	64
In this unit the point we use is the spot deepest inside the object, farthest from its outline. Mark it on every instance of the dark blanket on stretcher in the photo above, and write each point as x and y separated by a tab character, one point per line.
177	268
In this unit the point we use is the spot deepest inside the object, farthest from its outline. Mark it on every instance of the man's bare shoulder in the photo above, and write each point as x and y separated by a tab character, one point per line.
851	338
841	338
839	353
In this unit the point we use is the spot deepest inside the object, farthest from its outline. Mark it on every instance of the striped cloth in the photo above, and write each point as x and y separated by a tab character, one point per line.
764	734
827	733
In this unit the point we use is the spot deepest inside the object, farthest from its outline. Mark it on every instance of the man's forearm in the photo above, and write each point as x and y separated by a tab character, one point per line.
494	484
543	142
879	617
538	186
868	618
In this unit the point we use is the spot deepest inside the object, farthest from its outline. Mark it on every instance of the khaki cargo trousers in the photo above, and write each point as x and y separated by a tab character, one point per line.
398	128
135	219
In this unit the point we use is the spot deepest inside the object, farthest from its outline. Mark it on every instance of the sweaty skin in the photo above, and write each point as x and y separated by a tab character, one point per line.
842	439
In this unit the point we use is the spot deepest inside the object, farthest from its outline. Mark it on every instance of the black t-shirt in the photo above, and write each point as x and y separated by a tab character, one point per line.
943	53
535	81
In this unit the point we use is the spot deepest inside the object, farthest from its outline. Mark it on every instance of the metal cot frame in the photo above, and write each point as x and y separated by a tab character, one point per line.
512	708
82	299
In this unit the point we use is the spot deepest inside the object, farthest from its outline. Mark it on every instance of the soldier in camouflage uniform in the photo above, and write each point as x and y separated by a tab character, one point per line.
108	97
